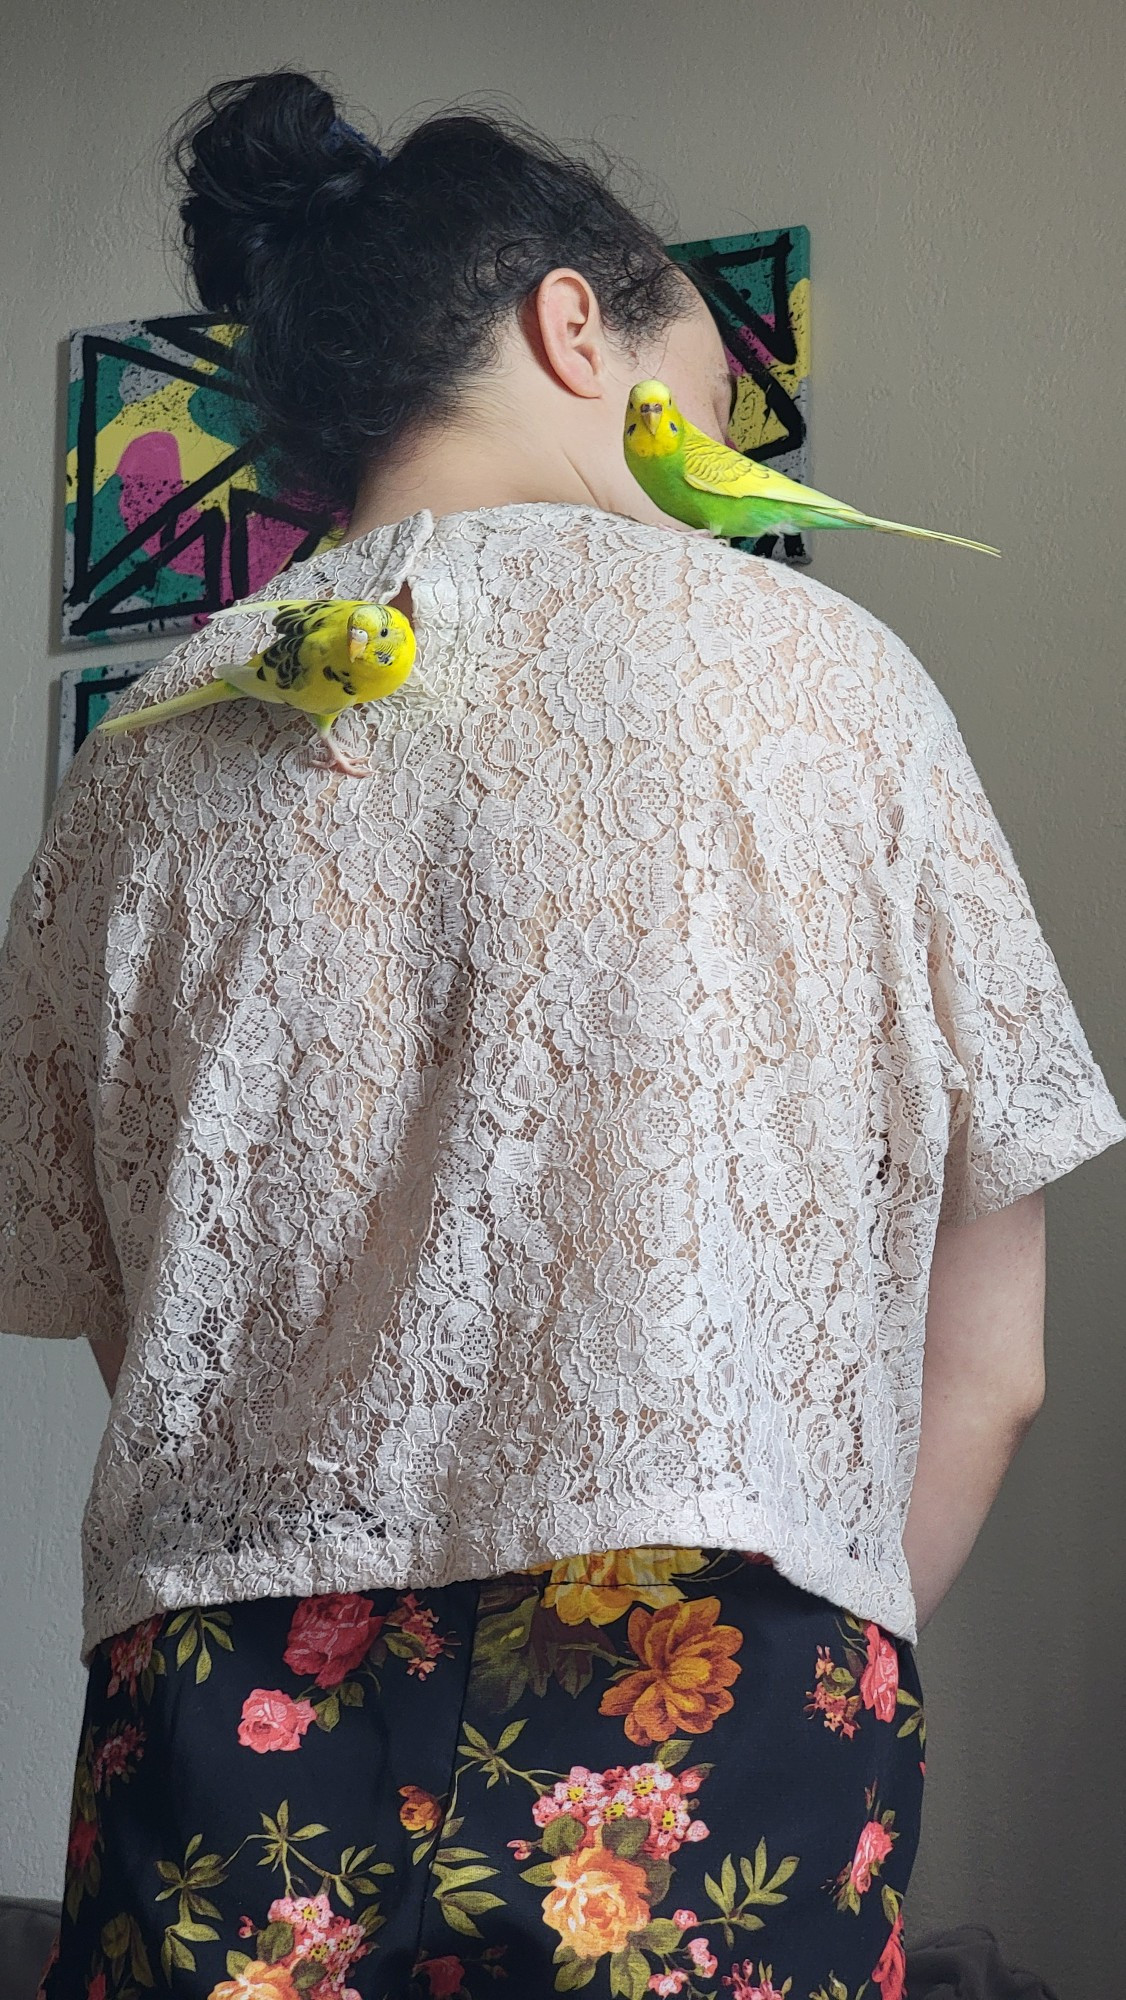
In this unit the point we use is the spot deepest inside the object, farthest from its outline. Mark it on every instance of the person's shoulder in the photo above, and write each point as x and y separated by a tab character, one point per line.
774	610
758	613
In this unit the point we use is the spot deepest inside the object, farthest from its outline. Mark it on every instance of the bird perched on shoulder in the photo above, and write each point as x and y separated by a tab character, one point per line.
698	480
328	654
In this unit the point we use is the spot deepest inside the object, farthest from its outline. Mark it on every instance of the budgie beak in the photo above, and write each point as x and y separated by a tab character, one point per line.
357	642
651	416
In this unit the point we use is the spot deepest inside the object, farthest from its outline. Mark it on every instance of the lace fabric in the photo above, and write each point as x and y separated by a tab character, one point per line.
536	1146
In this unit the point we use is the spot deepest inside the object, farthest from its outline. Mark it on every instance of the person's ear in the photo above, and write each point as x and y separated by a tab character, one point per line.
564	324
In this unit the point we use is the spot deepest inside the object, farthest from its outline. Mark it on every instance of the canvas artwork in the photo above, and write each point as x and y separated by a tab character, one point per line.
85	694
758	289
168	513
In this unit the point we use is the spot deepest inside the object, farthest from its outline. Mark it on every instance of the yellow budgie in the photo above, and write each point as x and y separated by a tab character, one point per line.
698	480
328	654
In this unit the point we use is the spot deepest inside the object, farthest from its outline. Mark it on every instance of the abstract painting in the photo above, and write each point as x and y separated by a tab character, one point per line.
85	694
168	513
757	287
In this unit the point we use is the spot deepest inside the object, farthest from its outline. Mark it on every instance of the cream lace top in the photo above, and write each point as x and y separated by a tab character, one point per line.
535	1147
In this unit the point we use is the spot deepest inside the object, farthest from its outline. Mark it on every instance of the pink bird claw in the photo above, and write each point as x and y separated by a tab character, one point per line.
339	760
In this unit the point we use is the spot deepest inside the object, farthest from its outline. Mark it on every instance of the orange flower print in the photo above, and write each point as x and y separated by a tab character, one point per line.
879	1683
416	1638
830	1697
686	1670
257	1981
598	1899
596	1589
420	1811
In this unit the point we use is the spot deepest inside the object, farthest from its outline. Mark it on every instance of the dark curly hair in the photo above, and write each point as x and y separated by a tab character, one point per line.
370	284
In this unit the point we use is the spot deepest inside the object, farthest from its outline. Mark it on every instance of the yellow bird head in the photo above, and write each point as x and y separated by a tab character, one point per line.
654	425
381	649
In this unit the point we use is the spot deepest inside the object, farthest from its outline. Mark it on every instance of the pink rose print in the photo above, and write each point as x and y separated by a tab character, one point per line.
130	1655
701	1957
879	1683
685	1918
668	1982
324	1948
272	1720
111	1760
891	1969
329	1635
445	1975
874	1846
639	1791
742	1983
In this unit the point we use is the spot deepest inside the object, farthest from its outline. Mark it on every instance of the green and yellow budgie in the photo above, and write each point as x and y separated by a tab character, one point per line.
328	654
708	485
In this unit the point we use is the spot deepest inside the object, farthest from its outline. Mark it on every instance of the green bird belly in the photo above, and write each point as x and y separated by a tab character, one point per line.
663	480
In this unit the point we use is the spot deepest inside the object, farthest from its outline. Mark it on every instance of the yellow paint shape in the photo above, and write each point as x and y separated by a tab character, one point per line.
752	424
165	410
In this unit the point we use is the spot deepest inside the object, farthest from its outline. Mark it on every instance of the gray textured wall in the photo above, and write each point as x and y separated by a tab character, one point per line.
961	170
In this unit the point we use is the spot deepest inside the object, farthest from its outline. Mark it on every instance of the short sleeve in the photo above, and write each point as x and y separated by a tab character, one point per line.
1030	1101
59	1275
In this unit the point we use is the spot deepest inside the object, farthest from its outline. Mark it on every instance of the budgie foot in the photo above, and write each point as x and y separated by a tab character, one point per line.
339	760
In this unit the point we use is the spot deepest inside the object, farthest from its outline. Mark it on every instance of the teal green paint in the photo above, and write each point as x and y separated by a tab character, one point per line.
220	416
753	279
108	401
73	405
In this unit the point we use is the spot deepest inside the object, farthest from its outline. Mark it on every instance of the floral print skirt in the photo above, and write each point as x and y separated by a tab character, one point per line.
656	1770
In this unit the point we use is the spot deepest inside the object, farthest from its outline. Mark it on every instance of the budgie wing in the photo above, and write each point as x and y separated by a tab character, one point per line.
278	604
264	686
712	467
289	664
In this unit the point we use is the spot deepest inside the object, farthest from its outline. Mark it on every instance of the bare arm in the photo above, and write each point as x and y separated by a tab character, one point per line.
983	1383
109	1355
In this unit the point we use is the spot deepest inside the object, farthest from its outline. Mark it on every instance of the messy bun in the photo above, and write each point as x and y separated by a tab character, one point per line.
269	164
371	284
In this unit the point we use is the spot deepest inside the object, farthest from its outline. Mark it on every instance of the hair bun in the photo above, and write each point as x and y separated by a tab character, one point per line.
264	159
